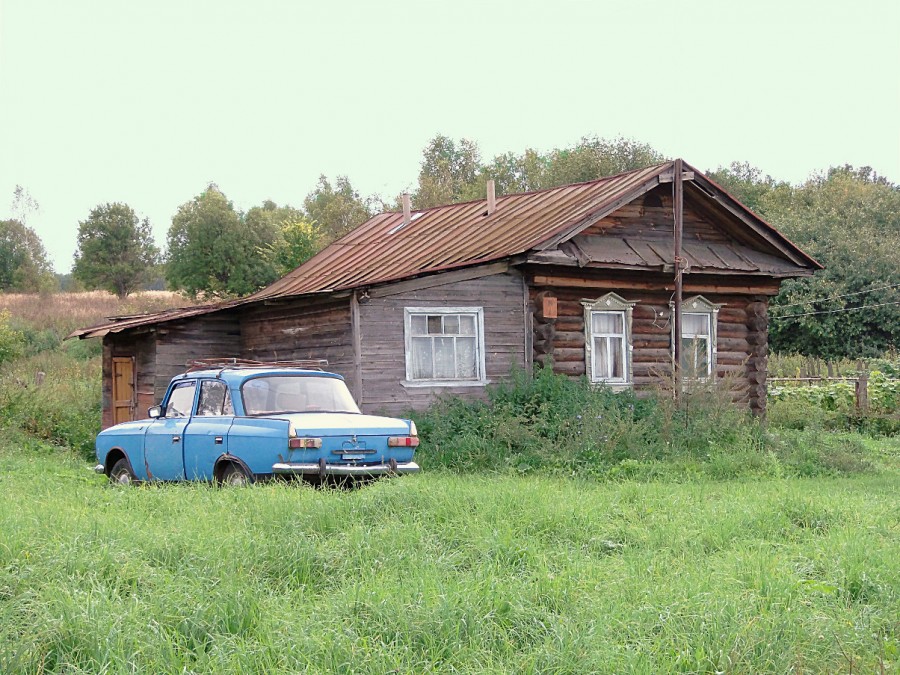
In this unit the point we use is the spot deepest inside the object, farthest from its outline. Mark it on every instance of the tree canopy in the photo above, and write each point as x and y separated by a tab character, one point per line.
115	250
24	266
213	250
849	220
335	209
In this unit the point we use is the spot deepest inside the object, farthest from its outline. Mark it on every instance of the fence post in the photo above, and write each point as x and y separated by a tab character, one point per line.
862	393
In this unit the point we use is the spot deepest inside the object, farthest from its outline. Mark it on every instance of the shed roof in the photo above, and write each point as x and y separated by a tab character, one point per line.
384	249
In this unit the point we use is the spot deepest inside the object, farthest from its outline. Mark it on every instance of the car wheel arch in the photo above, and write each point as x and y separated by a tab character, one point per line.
222	463
113	456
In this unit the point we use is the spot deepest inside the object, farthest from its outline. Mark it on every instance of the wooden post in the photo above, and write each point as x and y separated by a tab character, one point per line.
357	349
676	320
862	394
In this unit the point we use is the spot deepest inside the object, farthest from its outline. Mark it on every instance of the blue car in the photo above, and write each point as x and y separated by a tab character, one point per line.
239	423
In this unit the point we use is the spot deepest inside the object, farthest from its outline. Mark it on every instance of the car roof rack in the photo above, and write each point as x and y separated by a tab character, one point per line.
232	364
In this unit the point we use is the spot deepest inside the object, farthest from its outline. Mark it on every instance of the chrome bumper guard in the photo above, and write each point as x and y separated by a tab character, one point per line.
100	469
343	469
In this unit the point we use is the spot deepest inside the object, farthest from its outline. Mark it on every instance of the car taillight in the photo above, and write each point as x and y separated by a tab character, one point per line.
297	443
403	441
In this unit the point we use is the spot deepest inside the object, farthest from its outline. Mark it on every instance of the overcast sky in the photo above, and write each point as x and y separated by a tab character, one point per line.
147	102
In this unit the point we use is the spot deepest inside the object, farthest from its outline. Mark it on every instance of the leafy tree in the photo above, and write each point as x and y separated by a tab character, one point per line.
848	219
298	240
23	260
594	157
335	209
448	169
212	250
115	250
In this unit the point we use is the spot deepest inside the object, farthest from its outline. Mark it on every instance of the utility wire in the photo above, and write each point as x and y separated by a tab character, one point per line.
838	297
836	311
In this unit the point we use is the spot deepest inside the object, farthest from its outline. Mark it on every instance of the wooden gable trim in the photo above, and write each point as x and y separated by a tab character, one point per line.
575	229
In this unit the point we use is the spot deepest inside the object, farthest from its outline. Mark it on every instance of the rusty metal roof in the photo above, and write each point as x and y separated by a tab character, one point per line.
384	249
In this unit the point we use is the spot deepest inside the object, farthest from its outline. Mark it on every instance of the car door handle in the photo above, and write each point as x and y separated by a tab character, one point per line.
176	439
219	440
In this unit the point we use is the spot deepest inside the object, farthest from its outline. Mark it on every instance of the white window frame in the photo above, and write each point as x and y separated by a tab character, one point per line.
700	306
480	378
611	303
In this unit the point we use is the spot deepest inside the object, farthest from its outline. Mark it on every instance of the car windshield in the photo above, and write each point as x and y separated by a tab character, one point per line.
277	394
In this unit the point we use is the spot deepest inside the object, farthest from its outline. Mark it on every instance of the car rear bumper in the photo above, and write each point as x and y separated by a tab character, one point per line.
343	469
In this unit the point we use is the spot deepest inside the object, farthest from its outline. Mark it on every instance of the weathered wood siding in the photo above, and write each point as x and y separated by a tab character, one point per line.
301	328
382	345
205	336
142	348
742	327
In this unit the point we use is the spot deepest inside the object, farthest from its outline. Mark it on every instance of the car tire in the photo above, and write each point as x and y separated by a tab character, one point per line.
234	474
121	473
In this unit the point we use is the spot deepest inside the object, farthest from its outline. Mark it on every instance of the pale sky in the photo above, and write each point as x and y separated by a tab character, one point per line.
147	102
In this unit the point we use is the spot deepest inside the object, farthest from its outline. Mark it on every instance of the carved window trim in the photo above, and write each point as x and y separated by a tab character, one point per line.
700	306
609	303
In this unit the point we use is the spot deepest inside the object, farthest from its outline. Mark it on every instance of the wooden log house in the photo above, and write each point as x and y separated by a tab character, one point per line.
416	304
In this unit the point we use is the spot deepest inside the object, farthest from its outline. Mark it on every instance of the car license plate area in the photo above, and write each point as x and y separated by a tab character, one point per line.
352	456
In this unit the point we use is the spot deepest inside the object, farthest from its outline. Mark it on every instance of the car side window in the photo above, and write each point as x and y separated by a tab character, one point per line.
181	400
214	399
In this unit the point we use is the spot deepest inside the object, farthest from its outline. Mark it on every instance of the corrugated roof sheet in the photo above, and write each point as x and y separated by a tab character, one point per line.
441	238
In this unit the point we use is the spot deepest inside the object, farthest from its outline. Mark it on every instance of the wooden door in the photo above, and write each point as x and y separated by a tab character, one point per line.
123	389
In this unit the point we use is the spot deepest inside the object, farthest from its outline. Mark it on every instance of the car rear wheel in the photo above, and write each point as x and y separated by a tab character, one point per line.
234	474
121	473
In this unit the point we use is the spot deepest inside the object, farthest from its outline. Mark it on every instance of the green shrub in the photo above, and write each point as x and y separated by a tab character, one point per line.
64	409
12	342
556	425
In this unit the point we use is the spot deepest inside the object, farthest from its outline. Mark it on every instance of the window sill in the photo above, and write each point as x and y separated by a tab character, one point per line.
431	384
615	386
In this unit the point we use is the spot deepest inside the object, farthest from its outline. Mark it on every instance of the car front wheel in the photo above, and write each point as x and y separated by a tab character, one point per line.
234	474
121	473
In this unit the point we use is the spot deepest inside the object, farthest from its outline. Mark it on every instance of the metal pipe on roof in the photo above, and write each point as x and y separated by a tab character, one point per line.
491	197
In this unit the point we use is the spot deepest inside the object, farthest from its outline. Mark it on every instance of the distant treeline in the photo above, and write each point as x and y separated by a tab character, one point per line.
848	218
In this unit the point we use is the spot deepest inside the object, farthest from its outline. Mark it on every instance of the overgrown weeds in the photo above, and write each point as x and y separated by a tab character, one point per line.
556	425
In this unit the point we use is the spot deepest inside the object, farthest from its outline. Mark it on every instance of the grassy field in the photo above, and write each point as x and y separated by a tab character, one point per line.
445	573
556	529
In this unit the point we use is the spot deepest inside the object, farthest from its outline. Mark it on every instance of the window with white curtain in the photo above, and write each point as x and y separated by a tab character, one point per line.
696	346
444	345
699	317
607	340
608	335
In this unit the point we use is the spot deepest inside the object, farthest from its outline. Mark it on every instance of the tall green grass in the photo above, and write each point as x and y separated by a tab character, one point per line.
444	573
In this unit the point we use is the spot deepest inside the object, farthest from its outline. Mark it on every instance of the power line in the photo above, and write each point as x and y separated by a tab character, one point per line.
836	311
838	297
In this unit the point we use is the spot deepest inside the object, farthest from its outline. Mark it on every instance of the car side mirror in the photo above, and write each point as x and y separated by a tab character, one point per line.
156	411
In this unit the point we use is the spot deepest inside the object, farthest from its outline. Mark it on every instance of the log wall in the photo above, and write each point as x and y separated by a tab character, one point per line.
382	344
742	330
301	328
205	336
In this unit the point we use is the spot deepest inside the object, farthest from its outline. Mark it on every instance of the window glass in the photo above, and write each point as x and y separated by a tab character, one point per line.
609	342
695	344
214	399
278	394
443	346
181	400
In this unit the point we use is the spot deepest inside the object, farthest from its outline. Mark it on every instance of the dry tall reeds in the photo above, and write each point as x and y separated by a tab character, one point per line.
64	312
